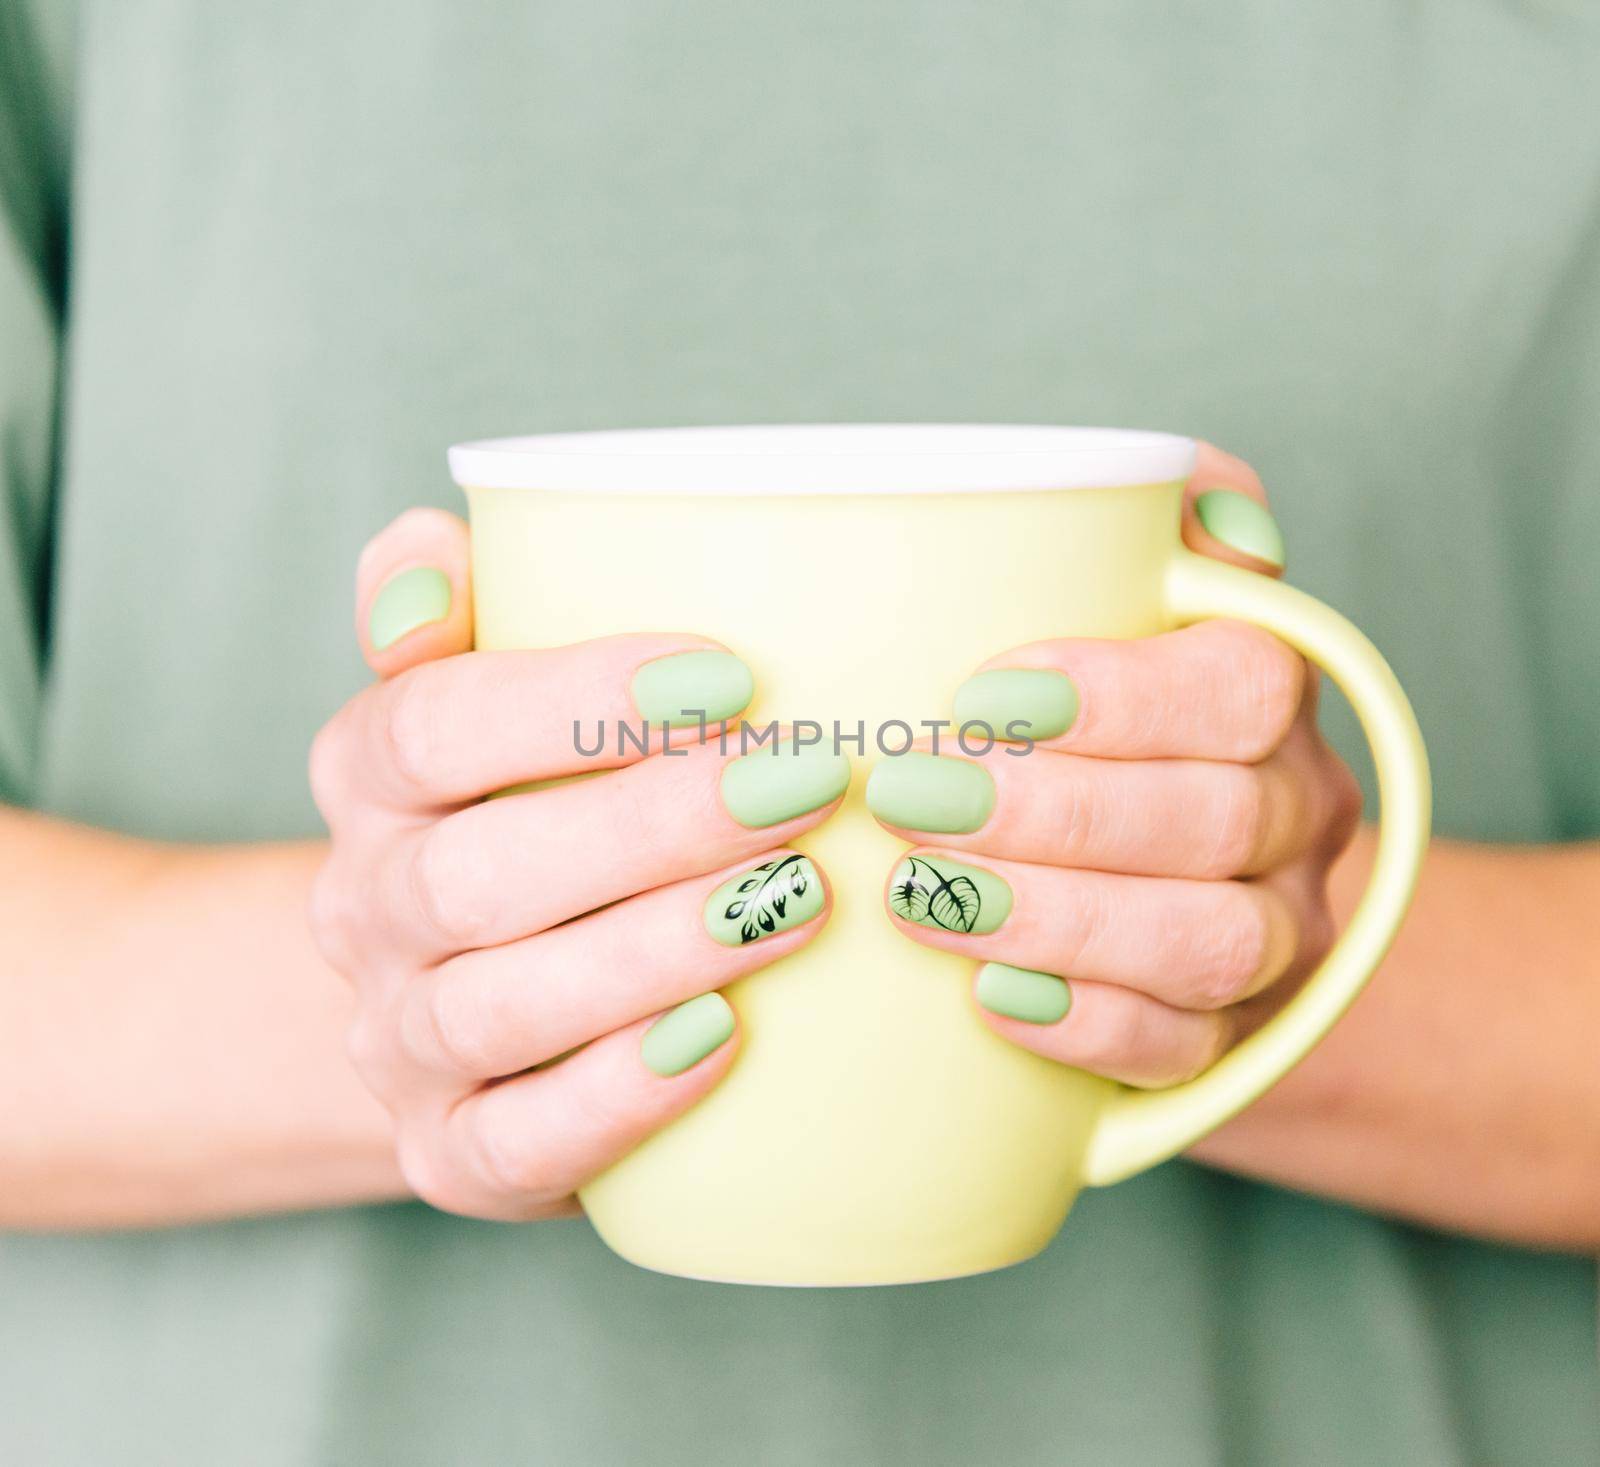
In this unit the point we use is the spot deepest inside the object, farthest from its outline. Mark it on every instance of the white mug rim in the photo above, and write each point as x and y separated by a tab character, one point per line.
826	458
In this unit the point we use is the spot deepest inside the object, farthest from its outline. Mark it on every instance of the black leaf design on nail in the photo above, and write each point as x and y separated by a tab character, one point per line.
769	887
909	899
954	904
927	895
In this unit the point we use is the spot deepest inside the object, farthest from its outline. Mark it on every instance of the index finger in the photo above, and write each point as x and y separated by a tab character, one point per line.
453	731
1217	690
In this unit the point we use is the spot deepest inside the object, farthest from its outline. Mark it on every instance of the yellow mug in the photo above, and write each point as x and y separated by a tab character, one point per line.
872	1130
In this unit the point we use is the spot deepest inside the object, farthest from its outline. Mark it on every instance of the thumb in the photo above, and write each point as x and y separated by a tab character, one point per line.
414	592
1225	514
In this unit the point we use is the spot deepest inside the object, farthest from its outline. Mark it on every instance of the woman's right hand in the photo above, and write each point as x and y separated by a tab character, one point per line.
513	958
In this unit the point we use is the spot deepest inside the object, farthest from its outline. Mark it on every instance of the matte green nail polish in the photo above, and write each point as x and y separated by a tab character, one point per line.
1237	520
1023	993
409	600
679	688
948	895
771	785
679	1040
927	792
1047	702
773	897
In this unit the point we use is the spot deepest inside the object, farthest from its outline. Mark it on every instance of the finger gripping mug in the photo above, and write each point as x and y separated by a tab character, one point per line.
872	1130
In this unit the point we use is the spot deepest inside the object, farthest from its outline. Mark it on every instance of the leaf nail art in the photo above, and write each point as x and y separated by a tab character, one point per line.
773	897
948	896
927	894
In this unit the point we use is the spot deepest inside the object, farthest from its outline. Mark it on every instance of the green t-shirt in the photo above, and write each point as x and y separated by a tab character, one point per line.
310	245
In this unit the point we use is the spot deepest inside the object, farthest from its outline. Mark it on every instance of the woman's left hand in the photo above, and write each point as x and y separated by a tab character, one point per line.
1148	882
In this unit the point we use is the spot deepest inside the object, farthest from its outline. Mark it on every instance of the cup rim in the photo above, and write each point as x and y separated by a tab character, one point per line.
826	458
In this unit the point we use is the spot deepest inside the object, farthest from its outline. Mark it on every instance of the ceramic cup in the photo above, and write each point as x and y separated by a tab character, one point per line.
872	1130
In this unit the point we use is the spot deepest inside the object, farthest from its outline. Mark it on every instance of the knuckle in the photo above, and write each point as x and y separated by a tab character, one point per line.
615	1107
1109	1032
1345	803
1318	933
627	825
1092	914
423	1173
614	1111
1077	817
417	1169
331	914
1129	1035
366	1046
442	1027
634	813
436	882
1271	677
410	734
1239	821
1208	1045
1236	946
505	1158
325	767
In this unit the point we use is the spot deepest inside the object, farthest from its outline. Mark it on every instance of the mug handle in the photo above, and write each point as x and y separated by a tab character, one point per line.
1139	1128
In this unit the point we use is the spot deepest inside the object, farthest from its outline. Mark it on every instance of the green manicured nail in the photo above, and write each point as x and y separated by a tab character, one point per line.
775	896
679	1040
927	792
410	600
1023	993
1237	520
1047	702
775	784
948	895
680	688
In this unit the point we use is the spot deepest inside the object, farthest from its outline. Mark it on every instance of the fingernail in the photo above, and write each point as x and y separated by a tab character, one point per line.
770	898
412	599
926	792
1023	993
681	688
679	1040
1237	520
948	895
775	784
1047	702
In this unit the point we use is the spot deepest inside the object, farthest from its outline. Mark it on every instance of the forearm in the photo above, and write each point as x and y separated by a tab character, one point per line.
171	1044
171	1047
1463	1089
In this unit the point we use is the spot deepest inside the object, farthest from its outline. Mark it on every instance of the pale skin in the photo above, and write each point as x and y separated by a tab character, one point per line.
174	1043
